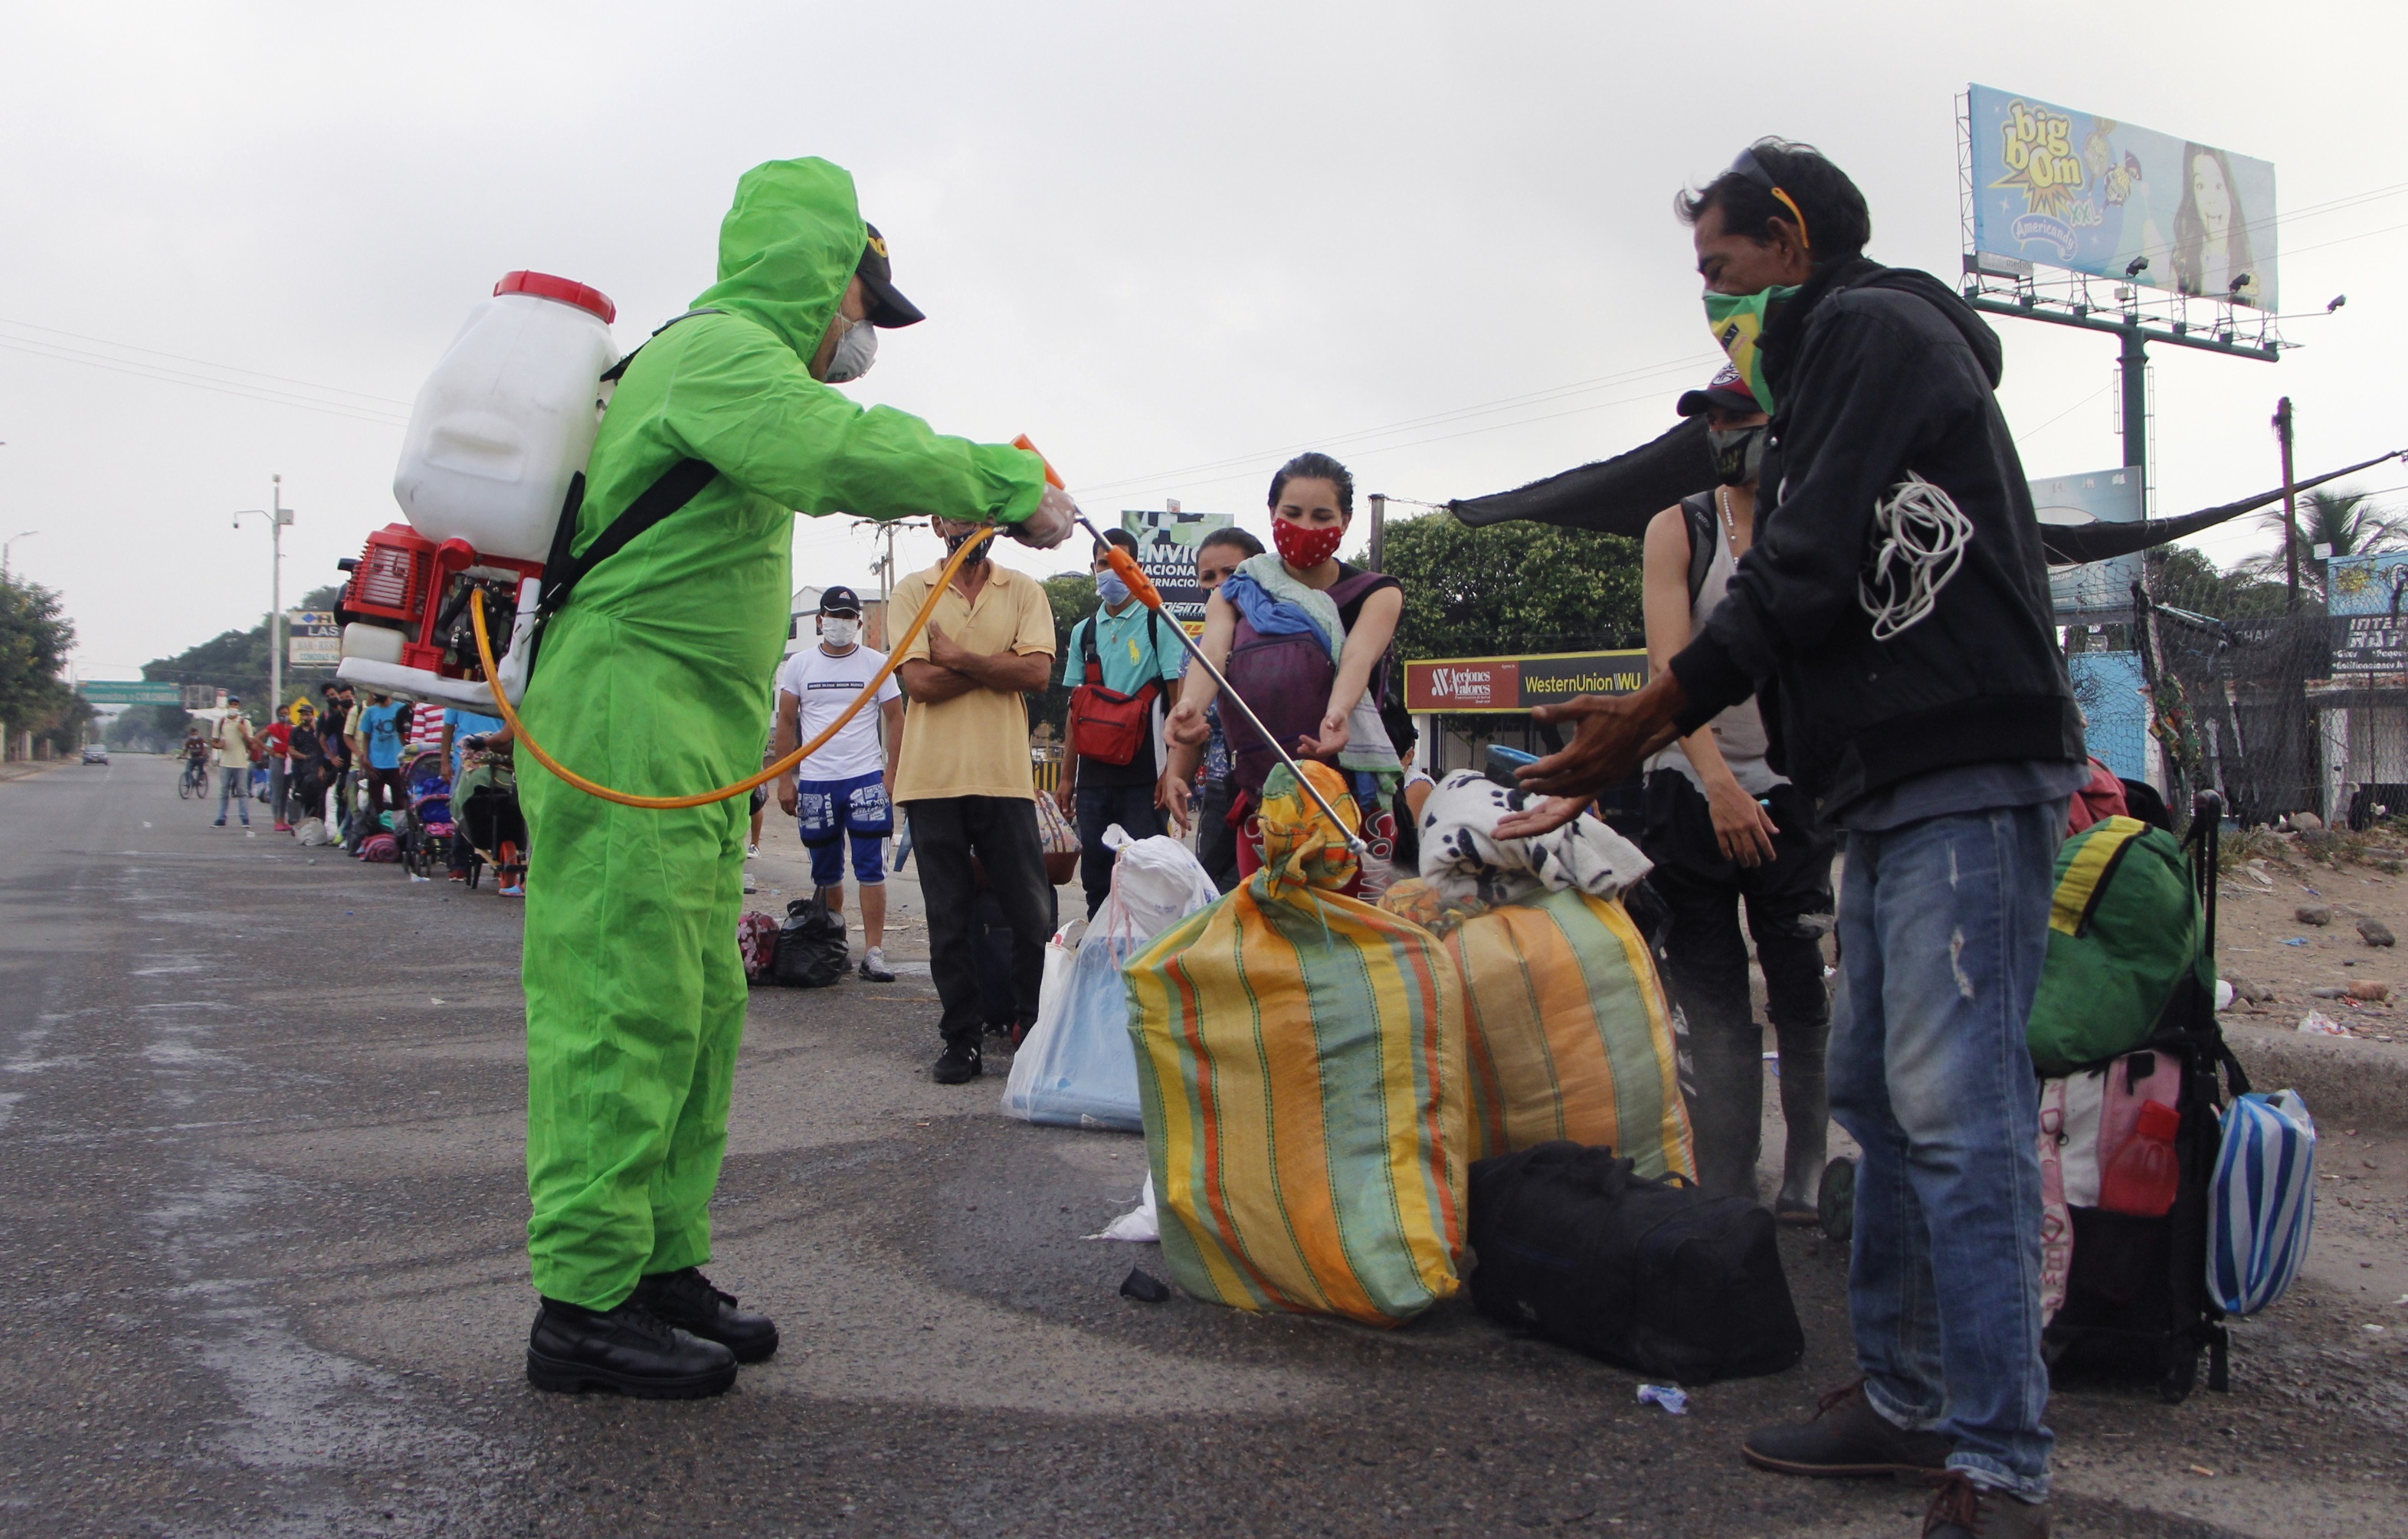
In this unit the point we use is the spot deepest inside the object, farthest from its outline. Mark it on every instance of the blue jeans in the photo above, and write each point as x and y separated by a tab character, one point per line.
1944	926
234	785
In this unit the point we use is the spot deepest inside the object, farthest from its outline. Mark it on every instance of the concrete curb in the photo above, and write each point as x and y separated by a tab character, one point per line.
2347	1083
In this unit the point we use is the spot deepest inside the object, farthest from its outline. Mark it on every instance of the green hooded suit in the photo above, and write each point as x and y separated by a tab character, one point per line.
656	679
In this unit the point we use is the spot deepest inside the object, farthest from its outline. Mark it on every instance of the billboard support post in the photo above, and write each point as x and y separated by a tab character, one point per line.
2134	361
2290	504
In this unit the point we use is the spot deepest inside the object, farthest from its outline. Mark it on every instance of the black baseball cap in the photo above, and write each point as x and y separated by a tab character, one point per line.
840	601
1725	392
887	308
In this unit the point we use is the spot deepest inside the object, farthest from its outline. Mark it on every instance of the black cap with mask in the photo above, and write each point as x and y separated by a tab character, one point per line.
1738	452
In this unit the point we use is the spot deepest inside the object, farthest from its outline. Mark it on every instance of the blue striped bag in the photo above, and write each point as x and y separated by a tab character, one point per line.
2263	1203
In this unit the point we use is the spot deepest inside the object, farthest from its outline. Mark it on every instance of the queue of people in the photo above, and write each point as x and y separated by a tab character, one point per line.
333	772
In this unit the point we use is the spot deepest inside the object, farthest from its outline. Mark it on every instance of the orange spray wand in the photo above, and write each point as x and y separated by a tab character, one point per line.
1141	587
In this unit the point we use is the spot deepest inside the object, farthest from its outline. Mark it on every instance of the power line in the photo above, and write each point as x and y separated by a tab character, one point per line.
2343	240
1481	408
2032	433
204	363
1412	443
176	377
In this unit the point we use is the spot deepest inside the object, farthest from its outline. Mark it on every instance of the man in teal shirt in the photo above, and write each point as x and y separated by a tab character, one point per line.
382	729
1126	648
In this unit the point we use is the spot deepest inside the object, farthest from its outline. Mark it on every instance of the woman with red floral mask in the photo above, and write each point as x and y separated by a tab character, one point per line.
1303	638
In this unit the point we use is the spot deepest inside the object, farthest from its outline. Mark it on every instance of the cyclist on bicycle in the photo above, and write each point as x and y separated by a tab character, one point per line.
196	757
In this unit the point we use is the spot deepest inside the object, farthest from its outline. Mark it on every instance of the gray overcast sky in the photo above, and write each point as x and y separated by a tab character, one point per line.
1155	239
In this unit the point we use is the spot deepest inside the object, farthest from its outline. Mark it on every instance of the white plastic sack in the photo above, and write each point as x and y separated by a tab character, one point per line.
1077	1067
1141	1224
1463	858
310	832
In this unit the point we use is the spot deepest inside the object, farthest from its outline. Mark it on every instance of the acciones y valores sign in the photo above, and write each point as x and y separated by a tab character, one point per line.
1474	684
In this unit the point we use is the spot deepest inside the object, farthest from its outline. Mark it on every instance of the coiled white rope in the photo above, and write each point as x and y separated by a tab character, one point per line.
1923	536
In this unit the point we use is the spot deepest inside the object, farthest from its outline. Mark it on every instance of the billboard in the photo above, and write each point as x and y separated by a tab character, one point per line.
2364	595
2097	593
1483	685
1166	548
2073	189
316	640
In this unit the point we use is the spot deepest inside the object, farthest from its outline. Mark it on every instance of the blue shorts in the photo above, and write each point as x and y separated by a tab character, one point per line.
827	812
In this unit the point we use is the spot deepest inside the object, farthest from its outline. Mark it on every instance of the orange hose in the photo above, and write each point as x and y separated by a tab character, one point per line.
783	766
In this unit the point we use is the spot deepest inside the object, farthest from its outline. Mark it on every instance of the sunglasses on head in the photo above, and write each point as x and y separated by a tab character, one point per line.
1749	166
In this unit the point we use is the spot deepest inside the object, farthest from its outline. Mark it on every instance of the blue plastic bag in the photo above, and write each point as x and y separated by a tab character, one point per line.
1077	1067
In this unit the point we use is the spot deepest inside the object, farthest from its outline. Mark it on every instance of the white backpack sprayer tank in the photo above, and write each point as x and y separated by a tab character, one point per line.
498	433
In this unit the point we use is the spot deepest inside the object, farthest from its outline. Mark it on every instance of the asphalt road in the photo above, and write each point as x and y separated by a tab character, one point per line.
259	1221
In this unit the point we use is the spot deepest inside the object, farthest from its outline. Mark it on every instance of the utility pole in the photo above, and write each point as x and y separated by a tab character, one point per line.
2290	503
1379	531
278	516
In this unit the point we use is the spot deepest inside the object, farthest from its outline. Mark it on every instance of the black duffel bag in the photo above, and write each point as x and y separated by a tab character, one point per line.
1648	1274
813	949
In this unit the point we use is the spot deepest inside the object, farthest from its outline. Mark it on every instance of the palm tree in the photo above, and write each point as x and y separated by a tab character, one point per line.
2350	522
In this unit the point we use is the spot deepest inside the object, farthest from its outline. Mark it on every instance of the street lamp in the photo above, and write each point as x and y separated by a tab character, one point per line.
21	535
278	516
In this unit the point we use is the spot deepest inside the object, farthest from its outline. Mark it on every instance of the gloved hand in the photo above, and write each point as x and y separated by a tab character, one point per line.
1056	517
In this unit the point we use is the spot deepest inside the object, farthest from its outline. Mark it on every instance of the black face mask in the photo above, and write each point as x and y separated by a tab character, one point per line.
954	542
1739	454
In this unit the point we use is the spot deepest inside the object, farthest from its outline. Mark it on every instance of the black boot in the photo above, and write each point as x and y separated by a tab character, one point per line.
959	1064
686	1300
628	1350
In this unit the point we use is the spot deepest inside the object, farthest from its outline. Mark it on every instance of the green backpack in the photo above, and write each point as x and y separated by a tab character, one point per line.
2122	931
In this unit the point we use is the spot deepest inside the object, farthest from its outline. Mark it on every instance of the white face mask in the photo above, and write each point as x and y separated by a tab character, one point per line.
855	351
840	631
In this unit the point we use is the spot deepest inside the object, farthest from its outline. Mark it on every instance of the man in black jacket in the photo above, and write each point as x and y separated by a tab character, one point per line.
1895	613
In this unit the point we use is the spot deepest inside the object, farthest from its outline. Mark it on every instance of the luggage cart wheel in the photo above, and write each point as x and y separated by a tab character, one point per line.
1835	1199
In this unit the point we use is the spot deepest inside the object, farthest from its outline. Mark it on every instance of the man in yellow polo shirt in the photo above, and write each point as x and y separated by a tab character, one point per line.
964	780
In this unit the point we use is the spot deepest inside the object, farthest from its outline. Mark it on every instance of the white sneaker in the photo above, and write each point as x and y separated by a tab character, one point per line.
873	966
751	852
751	883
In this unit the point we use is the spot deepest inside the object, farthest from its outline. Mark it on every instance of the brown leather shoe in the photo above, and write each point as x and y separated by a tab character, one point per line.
1846	1436
1963	1510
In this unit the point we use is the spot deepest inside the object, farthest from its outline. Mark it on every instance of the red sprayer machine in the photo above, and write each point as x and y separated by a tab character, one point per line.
498	434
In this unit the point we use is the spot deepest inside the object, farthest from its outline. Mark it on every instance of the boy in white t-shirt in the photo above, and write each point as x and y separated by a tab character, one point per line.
844	792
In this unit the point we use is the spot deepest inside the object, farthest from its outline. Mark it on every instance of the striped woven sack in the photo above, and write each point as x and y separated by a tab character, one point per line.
2263	1203
1565	1032
1301	1066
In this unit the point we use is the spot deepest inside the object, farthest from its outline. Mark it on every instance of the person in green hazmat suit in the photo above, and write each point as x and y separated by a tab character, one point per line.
655	677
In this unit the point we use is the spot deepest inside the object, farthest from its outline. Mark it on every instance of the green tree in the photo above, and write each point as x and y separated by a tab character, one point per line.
2184	577
35	636
2350	522
1073	597
1512	588
233	660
